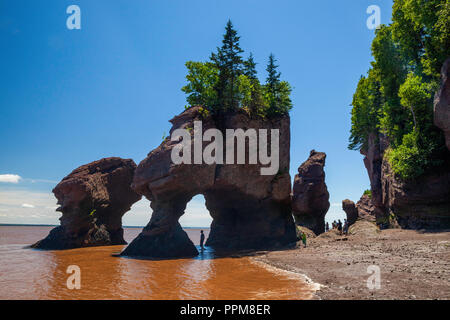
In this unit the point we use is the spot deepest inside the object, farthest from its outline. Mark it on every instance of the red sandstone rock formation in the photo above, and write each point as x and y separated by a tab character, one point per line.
93	199
421	203
362	210
249	210
350	209
310	201
366	209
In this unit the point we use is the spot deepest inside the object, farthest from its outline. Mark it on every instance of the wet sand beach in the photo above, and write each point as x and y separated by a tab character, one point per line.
413	264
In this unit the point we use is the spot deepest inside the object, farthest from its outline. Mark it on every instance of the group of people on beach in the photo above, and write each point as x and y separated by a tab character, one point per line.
342	228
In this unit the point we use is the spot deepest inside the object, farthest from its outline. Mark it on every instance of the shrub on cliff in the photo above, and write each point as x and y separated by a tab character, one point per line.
396	97
229	83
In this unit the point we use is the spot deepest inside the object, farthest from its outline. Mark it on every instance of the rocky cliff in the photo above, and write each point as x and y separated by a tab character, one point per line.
310	200
249	210
366	209
362	210
442	103
420	203
92	199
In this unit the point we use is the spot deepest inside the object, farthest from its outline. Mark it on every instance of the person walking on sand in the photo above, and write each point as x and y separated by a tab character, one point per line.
327	227
339	226
345	226
304	239
202	239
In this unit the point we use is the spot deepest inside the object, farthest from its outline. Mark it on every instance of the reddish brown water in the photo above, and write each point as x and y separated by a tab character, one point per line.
34	274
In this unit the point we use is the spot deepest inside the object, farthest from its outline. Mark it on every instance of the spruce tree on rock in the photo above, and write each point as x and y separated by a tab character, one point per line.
273	76
272	85
250	67
276	92
256	104
229	62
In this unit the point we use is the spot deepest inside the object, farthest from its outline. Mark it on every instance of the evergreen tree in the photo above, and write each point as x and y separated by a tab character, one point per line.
228	61
250	67
276	92
396	98
256	104
228	83
273	76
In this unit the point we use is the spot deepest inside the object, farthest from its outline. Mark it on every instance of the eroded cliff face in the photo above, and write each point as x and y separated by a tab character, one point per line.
310	200
92	199
442	103
362	210
422	203
366	209
249	210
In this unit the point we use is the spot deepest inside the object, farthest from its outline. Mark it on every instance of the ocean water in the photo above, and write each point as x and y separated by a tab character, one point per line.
35	274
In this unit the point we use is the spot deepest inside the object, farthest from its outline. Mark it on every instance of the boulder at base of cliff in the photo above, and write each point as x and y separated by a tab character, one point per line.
364	228
92	199
309	233
366	208
310	200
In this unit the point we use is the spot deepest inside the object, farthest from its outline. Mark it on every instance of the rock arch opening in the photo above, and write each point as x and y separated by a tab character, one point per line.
138	215
249	211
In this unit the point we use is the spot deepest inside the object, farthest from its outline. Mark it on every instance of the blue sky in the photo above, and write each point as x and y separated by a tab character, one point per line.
69	97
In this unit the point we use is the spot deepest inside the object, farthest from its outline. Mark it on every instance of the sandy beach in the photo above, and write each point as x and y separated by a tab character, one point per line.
413	264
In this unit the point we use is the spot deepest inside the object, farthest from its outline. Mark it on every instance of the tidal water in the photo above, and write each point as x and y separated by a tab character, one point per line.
35	274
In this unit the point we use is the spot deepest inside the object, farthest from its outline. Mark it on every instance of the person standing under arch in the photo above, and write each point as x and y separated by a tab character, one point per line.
202	239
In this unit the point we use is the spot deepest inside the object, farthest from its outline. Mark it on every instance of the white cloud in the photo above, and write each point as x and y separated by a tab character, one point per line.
41	180
27	207
336	204
10	178
31	207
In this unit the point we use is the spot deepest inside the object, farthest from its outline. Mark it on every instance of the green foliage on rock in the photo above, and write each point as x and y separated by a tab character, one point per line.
228	83
202	78
396	97
368	193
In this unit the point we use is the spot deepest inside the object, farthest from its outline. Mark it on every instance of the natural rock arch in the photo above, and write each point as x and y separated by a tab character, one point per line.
249	210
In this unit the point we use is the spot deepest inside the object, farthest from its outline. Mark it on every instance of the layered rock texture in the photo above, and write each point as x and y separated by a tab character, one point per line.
93	199
362	210
310	200
442	103
421	203
366	209
249	210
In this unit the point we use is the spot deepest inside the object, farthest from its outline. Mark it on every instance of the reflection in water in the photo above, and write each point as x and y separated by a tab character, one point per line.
34	274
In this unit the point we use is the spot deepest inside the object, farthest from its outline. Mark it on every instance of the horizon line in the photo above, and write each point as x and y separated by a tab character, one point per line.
57	225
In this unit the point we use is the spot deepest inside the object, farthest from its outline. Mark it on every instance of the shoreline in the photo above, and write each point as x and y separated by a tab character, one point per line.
413	264
291	273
